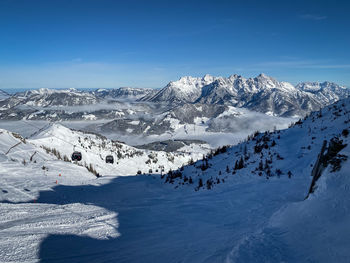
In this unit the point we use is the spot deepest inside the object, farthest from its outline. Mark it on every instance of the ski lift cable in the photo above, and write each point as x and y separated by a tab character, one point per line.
121	163
76	146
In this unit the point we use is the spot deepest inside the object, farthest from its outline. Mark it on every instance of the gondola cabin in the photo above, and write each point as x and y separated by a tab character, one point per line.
76	156
109	159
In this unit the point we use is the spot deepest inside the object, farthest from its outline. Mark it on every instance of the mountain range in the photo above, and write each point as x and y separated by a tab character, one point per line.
262	93
183	109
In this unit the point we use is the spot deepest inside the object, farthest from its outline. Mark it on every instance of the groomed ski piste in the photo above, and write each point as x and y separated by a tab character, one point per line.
56	211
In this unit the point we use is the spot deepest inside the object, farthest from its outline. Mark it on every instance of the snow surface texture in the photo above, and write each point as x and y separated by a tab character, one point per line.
244	218
25	224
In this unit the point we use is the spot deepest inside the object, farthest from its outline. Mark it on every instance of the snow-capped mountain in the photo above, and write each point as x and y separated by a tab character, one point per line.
50	97
3	95
262	94
186	89
325	92
72	97
124	93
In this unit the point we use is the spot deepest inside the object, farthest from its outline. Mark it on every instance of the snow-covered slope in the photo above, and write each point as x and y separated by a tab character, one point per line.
251	213
25	171
316	229
95	148
275	150
313	229
20	156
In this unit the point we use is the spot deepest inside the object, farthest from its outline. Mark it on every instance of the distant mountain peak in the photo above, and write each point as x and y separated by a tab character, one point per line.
208	77
263	75
262	93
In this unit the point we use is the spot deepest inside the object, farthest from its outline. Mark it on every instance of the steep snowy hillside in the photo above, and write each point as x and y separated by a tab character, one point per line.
95	148
18	154
269	154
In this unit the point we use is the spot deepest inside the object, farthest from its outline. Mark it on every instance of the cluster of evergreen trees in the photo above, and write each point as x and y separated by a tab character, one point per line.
261	144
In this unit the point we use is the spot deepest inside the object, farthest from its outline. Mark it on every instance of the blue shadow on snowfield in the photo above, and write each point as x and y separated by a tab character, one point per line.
157	223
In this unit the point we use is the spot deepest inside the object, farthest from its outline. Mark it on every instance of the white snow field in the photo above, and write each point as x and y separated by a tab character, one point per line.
243	218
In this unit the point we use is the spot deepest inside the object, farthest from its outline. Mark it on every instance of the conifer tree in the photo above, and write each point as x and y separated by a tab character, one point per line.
241	163
261	165
200	183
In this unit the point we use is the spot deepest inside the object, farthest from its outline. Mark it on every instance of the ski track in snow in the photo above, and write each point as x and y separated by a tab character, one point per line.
140	219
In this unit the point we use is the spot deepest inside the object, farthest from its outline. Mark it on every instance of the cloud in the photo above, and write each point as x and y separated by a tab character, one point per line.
313	17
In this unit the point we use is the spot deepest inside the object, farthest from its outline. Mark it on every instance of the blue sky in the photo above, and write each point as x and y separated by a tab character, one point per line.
93	44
